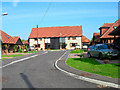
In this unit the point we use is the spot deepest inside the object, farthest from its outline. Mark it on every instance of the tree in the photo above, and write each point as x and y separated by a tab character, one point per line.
23	40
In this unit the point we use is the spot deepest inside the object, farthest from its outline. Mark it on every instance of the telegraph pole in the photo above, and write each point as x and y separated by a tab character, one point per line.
37	37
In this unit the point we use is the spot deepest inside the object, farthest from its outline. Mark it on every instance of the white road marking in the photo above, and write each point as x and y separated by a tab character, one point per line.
23	59
87	79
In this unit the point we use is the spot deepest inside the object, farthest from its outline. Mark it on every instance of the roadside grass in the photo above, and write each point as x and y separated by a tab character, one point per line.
14	55
92	66
29	52
77	51
4	58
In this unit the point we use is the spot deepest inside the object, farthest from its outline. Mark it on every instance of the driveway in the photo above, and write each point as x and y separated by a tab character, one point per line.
39	72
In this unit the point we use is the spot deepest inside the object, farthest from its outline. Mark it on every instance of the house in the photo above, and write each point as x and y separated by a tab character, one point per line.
17	40
105	30
85	41
9	41
116	34
96	38
26	43
56	37
104	35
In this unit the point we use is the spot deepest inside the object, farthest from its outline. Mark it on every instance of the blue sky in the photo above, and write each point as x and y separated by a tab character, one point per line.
23	16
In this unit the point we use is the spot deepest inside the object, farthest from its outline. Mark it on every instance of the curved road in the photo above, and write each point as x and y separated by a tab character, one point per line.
39	72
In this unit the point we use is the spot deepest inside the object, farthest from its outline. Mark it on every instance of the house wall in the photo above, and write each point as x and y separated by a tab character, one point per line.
33	42
78	41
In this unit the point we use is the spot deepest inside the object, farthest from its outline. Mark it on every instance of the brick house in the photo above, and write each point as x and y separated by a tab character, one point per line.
105	30
56	37
104	35
9	41
116	34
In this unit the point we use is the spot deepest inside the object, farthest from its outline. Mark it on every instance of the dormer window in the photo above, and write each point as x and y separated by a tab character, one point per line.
6	36
114	27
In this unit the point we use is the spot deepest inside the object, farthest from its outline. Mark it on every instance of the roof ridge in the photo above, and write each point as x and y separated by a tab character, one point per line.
60	26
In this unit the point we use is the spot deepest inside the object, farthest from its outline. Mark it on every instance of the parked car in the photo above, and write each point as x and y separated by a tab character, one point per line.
31	48
85	46
103	51
77	46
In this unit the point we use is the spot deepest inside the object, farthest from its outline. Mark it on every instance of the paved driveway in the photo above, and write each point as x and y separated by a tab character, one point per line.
39	72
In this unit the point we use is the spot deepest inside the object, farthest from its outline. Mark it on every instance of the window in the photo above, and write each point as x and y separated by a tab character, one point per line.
35	45
62	39
6	36
73	38
35	39
115	27
68	38
40	39
38	45
72	44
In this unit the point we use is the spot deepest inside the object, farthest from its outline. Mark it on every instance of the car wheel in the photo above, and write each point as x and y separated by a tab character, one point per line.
89	56
100	56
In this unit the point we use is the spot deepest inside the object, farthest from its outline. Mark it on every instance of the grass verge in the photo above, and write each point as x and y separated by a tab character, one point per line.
14	55
77	51
30	52
4	58
92	66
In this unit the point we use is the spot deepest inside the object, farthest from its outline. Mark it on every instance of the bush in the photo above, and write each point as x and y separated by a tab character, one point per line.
14	48
81	56
20	50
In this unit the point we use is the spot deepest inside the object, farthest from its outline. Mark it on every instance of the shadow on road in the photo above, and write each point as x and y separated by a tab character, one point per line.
25	78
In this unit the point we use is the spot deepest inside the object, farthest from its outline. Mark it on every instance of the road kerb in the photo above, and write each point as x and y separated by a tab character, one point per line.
86	79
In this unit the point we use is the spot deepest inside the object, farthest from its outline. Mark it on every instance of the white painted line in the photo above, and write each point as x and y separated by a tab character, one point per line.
87	79
23	59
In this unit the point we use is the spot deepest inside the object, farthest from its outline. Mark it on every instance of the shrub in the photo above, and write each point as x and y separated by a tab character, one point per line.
14	48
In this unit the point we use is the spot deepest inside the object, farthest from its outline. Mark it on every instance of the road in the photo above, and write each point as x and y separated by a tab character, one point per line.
39	72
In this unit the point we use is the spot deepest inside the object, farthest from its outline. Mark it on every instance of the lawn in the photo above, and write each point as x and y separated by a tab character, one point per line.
77	51
91	65
29	52
14	55
3	58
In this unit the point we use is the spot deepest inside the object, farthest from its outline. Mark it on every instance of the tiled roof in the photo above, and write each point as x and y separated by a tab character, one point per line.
16	38
84	39
63	31
5	38
106	34
107	24
25	42
96	34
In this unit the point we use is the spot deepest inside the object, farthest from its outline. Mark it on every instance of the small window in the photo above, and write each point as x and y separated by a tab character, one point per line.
40	39
35	39
115	27
6	36
73	38
38	45
72	44
35	45
68	38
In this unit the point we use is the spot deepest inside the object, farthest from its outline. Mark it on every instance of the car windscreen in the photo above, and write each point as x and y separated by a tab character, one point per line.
103	47
111	46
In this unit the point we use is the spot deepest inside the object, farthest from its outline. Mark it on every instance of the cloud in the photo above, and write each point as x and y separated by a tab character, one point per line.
15	2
